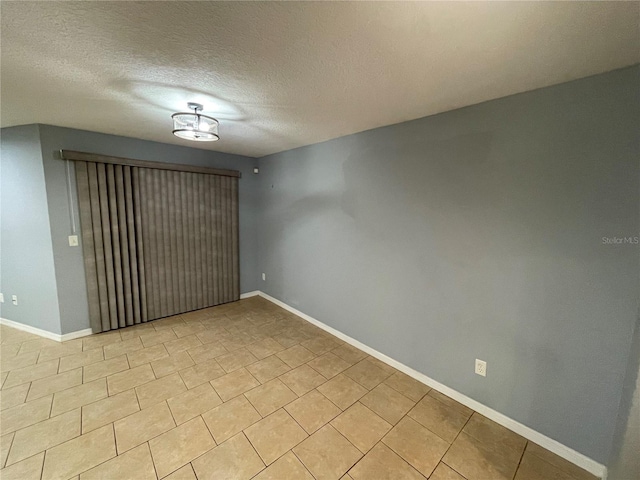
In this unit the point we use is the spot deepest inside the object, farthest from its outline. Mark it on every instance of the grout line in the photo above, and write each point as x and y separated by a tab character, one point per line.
526	443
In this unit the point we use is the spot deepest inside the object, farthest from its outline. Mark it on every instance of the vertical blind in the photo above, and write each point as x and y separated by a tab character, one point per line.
156	241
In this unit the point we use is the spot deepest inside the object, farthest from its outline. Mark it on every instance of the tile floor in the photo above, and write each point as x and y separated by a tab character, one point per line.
239	391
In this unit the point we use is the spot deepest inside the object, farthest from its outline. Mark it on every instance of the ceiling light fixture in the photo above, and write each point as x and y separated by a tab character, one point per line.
195	126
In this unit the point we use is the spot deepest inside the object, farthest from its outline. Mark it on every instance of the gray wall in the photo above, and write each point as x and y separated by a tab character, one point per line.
68	260
625	462
477	233
26	256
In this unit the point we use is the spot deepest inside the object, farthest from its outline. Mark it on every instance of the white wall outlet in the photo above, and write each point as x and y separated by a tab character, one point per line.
1	297
481	367
73	240
14	299
264	276
256	170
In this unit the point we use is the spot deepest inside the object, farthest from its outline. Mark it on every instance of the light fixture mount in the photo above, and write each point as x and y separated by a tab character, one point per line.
195	126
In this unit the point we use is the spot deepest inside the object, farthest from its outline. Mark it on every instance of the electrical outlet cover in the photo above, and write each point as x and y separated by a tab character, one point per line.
481	367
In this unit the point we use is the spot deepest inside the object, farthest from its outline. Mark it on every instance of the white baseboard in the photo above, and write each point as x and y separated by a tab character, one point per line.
554	446
249	294
43	333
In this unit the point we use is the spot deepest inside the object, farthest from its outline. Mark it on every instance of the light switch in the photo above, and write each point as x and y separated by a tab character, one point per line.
73	240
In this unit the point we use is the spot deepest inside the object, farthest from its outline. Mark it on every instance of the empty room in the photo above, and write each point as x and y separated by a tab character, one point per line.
351	240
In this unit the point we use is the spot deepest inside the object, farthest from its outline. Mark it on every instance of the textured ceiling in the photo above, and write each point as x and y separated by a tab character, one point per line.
283	75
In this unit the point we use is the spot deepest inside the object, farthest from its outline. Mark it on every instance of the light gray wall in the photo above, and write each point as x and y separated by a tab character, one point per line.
26	256
477	233
625	461
68	260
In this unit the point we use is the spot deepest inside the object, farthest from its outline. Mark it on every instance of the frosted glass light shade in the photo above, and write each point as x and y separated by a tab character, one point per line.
195	126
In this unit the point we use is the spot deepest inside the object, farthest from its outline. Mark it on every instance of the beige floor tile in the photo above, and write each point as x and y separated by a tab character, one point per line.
320	345
181	445
19	361
441	419
158	391
287	340
490	433
409	387
270	397
121	348
384	366
192	403
79	396
100	340
533	467
444	472
136	331
29	469
475	460
147	355
231	417
108	410
188	329
559	462
237	340
382	463
184	473
287	467
168	323
349	354
313	411
9	335
295	356
162	336
54	383
273	436
10	397
367	374
8	351
342	391
206	352
5	445
31	373
234	384
211	335
171	364
265	348
234	459
79	454
421	448
327	454
104	369
37	344
25	414
450	402
361	426
87	357
142	426
302	379
44	435
134	464
60	350
268	369
388	403
201	373
329	365
236	360
119	382
182	344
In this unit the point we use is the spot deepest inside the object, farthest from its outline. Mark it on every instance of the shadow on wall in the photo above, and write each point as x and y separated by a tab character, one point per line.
625	463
